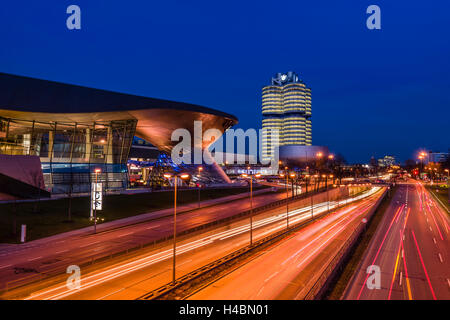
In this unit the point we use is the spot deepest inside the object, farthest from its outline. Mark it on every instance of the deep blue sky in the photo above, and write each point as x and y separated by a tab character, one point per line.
373	92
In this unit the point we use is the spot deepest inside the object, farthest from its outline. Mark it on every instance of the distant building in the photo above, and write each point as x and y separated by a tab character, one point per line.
387	161
296	155
373	162
286	107
438	156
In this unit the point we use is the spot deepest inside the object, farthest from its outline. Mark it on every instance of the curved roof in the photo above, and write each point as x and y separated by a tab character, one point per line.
27	94
41	100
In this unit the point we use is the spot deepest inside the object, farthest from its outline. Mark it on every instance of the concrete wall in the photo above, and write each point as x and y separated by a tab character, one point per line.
21	177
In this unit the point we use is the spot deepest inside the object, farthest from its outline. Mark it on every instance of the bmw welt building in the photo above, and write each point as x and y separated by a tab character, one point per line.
53	136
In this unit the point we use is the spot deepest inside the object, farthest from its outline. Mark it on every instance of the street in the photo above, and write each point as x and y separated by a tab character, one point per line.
411	247
134	277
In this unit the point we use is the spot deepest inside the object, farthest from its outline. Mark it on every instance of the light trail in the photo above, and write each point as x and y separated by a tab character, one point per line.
297	215
290	259
379	249
423	265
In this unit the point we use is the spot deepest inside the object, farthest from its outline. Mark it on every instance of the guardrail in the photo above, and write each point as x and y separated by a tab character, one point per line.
325	277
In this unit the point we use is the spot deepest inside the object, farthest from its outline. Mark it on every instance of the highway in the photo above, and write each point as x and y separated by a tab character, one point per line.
288	270
412	249
138	275
58	252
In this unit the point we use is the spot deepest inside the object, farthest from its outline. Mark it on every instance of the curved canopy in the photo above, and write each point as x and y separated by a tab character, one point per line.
41	100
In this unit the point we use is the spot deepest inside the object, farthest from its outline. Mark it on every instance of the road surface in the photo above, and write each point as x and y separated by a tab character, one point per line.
138	275
58	252
287	271
412	249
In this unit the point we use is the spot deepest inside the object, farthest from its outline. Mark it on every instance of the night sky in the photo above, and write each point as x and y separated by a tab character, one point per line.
374	92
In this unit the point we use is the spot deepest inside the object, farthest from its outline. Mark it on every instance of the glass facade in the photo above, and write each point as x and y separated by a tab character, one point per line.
70	152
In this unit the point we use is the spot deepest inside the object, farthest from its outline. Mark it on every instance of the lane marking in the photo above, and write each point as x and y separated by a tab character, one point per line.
434	219
440	258
118	271
395	270
379	249
406	275
260	290
34	258
273	275
423	265
110	294
123	235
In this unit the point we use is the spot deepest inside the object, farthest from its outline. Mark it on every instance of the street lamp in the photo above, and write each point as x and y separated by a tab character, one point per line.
316	182
331	163
282	175
421	156
328	197
200	169
97	171
251	202
306	182
292	175
326	188
169	176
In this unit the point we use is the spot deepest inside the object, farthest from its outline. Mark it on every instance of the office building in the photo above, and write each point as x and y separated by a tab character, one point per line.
286	110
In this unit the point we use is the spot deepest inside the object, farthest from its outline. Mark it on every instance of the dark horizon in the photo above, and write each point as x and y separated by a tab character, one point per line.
374	92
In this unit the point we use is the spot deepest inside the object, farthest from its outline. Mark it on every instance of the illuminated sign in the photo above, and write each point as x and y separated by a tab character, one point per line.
96	196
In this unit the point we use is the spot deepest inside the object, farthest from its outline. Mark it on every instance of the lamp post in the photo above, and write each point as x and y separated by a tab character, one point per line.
200	169
326	187
306	182
316	182
422	155
292	175
328	197
97	171
181	176
312	206
319	156
251	203
348	193
282	175
330	159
